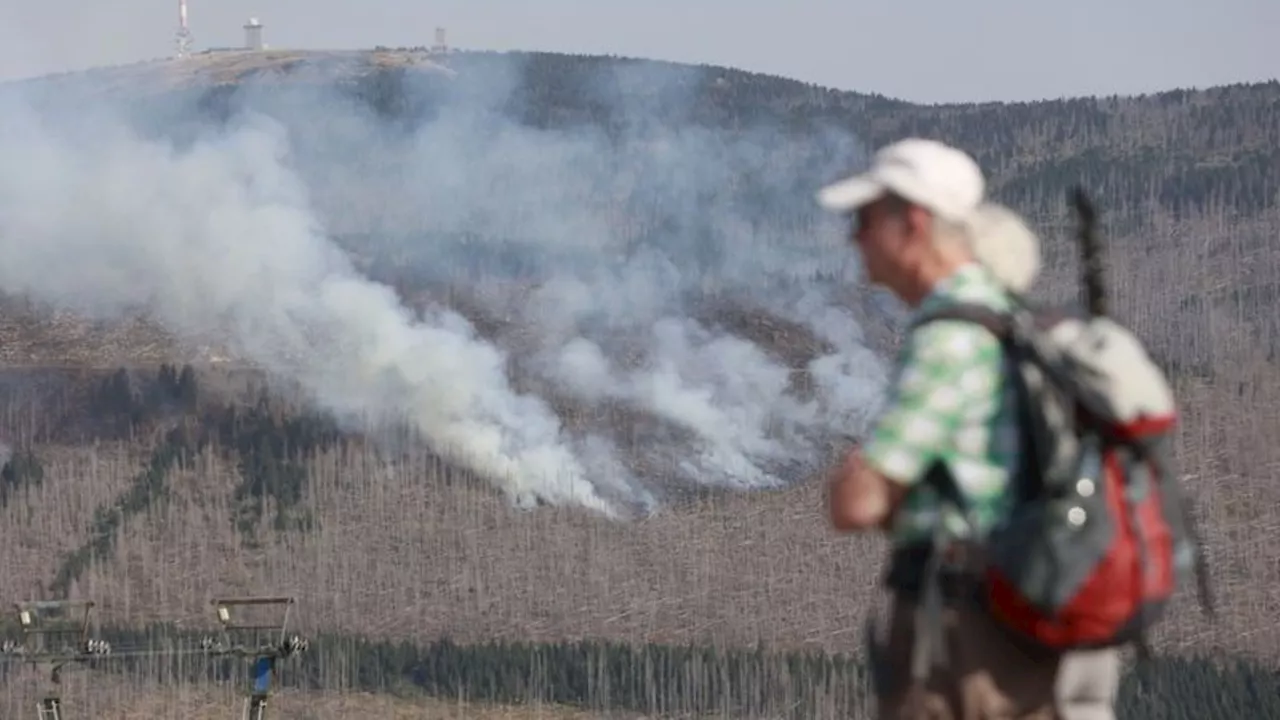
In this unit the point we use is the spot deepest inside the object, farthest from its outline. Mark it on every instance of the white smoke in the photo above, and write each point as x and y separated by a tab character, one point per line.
225	234
219	240
723	388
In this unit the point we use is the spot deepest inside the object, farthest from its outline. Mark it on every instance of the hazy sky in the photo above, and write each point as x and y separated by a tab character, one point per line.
923	50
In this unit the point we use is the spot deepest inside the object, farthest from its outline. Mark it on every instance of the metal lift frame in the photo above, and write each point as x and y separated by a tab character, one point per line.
39	646
265	657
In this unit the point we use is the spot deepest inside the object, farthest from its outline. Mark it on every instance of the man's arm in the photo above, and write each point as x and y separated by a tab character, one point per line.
861	497
946	366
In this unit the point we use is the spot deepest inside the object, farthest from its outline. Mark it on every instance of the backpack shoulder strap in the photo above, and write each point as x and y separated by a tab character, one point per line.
996	322
1003	326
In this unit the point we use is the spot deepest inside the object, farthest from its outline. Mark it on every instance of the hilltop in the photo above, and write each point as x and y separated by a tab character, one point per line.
154	486
1183	149
1180	156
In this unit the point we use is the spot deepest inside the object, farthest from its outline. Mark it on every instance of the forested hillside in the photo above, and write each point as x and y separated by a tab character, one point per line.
1184	151
634	244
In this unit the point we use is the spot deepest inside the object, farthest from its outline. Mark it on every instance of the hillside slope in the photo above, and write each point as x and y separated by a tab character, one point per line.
150	495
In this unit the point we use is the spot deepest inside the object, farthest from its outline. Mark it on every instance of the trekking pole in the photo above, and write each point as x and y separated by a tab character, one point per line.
1090	253
1096	301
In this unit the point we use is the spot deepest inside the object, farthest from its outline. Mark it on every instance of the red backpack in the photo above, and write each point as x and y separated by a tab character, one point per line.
1100	535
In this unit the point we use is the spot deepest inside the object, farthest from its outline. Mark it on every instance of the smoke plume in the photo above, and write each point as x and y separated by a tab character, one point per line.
278	218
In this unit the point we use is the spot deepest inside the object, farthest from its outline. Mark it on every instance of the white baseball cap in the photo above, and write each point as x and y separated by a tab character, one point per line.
932	174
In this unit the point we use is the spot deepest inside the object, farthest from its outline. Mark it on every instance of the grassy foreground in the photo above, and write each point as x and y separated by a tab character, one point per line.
122	700
341	677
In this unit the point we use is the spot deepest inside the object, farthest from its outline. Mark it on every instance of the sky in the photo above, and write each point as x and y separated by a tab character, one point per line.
919	50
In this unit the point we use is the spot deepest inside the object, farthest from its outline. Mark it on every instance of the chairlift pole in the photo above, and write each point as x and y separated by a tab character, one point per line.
45	643
264	657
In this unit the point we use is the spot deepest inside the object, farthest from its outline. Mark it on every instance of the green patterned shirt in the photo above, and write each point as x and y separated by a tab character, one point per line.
949	401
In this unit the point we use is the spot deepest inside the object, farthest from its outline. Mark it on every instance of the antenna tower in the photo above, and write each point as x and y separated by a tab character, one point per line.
183	36
440	47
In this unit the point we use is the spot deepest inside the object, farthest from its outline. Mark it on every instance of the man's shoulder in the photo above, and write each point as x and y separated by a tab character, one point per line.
950	341
958	339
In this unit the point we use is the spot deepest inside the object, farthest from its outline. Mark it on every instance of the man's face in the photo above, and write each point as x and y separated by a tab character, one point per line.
887	236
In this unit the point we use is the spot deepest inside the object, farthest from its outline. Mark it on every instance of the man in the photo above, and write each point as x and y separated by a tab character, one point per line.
924	233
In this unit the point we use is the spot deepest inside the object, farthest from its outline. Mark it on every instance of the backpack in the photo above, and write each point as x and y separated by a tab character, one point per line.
1099	536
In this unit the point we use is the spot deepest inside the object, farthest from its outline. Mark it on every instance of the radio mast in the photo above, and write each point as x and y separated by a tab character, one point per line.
183	36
